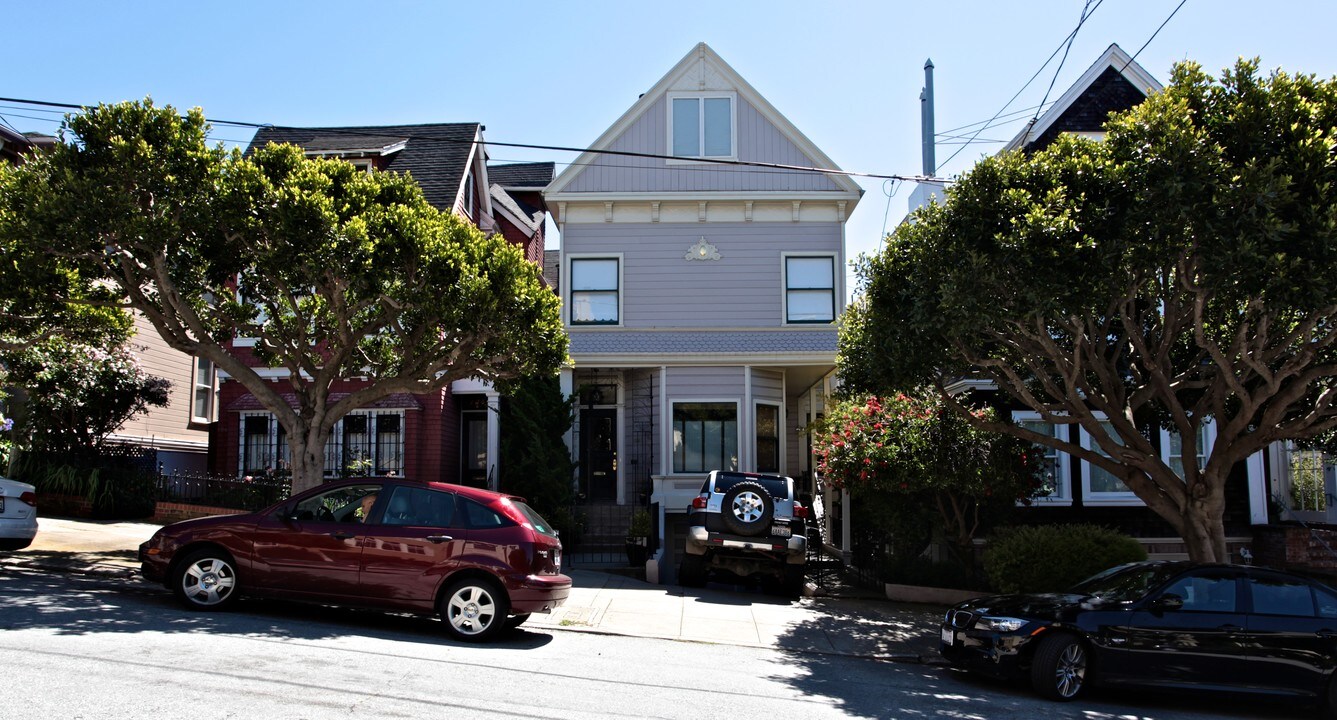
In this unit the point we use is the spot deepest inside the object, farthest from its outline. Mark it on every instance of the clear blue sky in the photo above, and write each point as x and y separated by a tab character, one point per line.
848	74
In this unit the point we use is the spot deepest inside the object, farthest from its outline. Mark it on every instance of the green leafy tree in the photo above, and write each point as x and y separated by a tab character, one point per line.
916	452
1178	273
77	395
535	462
325	271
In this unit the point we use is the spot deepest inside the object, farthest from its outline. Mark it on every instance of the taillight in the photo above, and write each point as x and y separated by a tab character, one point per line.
799	510
699	502
30	498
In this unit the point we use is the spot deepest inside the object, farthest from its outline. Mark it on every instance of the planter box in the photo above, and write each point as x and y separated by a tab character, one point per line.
929	595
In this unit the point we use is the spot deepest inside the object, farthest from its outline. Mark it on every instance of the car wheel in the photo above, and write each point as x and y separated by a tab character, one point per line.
516	621
692	572
1059	670
206	580
8	544
747	509
474	609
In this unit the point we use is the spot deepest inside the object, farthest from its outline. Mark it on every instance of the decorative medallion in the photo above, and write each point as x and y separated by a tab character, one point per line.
702	250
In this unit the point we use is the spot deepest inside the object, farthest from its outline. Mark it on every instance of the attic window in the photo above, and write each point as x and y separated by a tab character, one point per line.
702	125
363	164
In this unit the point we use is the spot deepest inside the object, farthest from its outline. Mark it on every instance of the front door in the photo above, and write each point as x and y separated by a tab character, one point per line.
473	448
598	455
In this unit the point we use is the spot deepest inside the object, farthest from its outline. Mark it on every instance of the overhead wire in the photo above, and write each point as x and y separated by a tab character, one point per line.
1153	35
1066	41
535	146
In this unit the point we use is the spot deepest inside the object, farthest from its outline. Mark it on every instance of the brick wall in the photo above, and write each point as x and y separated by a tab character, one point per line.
1301	549
167	512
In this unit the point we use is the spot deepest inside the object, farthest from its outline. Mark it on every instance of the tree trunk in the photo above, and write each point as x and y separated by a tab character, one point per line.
1203	531
306	447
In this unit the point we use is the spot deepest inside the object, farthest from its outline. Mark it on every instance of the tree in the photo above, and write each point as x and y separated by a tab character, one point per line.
1179	273
535	461
331	272
77	395
918	453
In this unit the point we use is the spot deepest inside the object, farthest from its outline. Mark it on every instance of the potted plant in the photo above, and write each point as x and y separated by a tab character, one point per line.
638	538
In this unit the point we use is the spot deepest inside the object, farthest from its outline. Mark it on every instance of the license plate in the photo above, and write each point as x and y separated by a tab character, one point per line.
780	530
948	637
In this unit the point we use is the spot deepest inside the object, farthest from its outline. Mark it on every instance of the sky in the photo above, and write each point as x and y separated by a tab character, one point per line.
848	74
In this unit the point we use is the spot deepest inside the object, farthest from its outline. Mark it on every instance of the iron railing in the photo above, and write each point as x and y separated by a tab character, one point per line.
245	493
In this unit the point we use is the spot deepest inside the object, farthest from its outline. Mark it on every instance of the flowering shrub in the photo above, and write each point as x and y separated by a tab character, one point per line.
77	394
916	448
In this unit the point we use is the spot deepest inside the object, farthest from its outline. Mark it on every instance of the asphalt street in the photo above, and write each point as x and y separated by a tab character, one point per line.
79	646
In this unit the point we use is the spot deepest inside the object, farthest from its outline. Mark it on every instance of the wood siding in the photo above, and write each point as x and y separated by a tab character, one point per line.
172	423
758	141
744	288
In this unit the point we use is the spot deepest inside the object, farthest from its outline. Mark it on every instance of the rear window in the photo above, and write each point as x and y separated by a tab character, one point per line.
536	520
777	487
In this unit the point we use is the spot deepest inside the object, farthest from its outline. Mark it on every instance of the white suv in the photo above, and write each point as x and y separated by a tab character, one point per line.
747	524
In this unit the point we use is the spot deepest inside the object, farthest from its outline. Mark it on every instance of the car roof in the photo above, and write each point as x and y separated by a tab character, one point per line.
474	493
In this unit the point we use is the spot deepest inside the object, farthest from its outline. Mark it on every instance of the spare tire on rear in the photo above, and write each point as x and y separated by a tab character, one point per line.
748	509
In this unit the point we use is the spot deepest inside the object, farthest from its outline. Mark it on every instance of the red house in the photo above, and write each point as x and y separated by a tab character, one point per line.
450	435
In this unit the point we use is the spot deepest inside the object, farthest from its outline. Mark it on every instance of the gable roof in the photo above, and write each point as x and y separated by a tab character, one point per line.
437	155
702	57
1113	82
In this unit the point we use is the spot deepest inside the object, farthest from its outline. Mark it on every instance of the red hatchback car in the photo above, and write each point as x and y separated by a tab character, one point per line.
482	560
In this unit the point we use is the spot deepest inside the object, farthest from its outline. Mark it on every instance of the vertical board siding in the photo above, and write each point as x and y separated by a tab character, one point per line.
744	288
758	141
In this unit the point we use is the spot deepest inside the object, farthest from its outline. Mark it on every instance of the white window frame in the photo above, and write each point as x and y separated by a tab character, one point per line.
196	385
738	430
701	127
1062	461
1208	429
779	437
1107	499
784	287
567	289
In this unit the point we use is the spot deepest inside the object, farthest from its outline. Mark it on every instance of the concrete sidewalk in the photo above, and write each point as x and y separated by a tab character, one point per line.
600	602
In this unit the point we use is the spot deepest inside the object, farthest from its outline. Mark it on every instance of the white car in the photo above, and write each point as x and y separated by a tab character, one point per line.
18	514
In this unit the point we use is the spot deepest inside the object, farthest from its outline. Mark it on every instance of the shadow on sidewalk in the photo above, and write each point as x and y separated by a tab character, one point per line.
77	605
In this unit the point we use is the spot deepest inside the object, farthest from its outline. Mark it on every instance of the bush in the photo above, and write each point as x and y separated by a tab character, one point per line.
1052	558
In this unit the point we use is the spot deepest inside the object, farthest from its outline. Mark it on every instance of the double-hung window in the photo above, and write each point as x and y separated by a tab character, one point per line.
1100	487
202	401
1057	483
594	291
768	437
701	125
810	289
1174	447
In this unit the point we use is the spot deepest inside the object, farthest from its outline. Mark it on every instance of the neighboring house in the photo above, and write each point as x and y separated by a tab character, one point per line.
1078	491
451	435
175	437
700	298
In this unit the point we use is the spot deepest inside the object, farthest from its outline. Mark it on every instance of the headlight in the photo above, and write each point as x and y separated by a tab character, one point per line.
1000	624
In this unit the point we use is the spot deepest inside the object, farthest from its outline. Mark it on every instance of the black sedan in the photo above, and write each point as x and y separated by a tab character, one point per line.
1167	625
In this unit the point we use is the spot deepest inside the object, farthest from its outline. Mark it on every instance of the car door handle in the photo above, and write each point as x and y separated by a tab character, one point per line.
1231	629
339	535
439	538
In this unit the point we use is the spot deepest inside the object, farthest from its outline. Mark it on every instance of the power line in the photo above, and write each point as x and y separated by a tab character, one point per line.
534	146
1153	35
1065	42
1064	59
1013	115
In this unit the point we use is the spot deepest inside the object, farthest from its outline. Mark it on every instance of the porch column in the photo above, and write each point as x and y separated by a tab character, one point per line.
493	440
566	383
619	450
1257	489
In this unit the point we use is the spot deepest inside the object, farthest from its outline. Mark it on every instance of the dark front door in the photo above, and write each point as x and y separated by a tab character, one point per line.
598	454
473	448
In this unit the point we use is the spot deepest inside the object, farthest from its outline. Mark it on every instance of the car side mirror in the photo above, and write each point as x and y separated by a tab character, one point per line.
1168	602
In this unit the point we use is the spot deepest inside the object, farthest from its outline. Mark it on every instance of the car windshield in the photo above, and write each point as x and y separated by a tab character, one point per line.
1125	582
777	487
